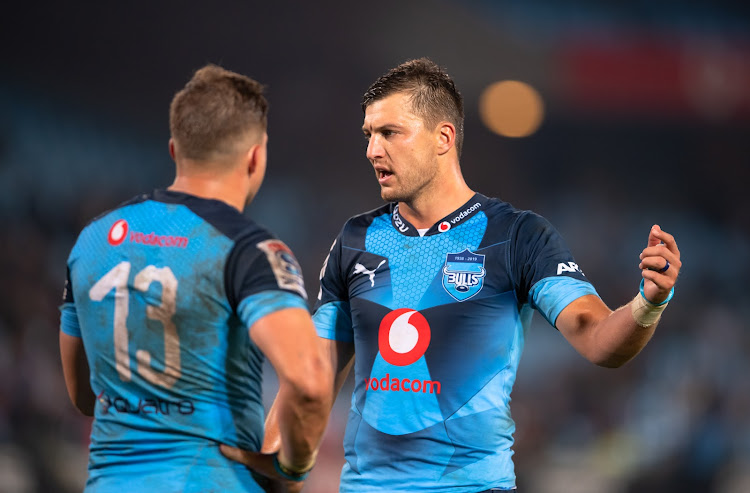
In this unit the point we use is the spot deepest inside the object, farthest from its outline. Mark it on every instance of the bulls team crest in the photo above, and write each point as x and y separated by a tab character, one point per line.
463	274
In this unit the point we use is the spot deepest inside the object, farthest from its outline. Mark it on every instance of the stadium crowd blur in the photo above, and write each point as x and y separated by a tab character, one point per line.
646	120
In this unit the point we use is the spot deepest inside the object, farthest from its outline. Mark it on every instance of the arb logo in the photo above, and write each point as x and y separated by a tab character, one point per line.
404	336
118	232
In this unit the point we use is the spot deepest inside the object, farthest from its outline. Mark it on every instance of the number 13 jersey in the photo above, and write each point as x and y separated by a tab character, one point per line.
163	290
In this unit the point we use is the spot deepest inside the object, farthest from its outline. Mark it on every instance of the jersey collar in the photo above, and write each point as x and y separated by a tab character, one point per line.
455	218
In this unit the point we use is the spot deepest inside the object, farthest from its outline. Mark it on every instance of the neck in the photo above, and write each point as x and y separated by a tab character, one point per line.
434	204
210	187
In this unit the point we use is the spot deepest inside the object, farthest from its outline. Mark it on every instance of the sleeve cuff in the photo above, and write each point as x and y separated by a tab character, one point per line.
69	320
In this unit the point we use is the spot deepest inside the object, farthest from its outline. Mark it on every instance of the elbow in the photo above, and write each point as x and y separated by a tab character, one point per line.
610	363
610	360
607	355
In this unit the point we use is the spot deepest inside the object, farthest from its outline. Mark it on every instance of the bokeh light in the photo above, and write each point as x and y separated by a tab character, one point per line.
511	108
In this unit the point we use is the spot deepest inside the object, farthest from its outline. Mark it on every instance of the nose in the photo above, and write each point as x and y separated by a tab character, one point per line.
374	148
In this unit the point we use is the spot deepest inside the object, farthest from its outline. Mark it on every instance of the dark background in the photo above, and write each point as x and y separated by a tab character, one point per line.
647	113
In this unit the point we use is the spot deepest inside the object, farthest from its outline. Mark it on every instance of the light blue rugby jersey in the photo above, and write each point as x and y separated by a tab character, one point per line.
162	290
438	324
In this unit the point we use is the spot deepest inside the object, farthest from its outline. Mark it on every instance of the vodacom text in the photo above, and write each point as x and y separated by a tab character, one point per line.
402	385
403	338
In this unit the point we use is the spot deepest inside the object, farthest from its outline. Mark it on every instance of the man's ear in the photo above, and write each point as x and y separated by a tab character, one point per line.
256	156
446	137
251	159
171	148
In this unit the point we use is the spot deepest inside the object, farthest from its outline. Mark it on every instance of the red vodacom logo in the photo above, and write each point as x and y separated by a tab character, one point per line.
404	336
118	232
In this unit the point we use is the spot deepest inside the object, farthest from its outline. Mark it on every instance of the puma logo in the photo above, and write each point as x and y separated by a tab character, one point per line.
361	269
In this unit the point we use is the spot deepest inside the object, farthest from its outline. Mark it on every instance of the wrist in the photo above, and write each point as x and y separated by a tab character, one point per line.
645	312
669	296
291	473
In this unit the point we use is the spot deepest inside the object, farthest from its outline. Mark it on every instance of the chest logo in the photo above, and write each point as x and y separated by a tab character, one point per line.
361	269
463	274
403	337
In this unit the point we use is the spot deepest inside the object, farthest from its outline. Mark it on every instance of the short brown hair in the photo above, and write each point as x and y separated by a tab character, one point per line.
215	112
434	96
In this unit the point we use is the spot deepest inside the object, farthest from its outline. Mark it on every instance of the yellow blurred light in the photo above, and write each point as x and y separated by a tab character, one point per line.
511	108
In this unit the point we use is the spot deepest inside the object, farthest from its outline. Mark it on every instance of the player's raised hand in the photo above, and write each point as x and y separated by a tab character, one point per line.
660	265
262	464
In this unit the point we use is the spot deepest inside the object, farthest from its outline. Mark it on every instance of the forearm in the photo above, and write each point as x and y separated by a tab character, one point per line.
339	357
618	338
296	424
605	337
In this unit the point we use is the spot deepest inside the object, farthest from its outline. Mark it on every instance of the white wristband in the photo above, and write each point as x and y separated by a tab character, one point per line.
644	312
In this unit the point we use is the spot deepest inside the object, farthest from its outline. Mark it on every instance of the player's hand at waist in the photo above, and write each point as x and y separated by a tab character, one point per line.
660	265
262	464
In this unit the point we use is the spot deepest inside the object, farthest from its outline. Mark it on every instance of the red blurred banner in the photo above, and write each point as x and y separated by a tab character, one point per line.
637	74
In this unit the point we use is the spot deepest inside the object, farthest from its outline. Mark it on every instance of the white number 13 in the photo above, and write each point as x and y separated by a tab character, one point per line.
117	278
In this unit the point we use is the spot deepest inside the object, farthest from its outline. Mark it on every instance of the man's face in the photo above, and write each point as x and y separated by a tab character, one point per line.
401	149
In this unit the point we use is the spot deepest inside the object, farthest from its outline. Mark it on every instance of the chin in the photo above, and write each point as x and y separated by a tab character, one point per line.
394	196
389	196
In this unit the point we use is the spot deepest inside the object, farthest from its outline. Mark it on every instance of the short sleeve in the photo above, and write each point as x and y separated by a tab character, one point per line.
68	316
262	264
545	273
332	313
257	306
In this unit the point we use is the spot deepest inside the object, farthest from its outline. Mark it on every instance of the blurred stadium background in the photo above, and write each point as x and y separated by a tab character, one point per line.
620	115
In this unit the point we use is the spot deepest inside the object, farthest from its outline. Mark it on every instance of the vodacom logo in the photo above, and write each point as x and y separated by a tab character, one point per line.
118	232
404	336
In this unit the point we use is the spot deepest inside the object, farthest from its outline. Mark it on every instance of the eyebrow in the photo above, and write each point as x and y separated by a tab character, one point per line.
387	126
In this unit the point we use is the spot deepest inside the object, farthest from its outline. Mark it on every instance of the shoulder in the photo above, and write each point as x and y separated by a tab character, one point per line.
110	219
140	198
356	226
503	219
498	211
253	239
366	218
260	261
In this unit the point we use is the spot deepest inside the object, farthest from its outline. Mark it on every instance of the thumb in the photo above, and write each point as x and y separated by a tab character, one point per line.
653	239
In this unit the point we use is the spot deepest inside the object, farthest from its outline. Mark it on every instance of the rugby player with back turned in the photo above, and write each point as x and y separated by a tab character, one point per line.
172	302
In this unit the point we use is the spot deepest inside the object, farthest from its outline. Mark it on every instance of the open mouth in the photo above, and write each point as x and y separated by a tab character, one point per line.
383	175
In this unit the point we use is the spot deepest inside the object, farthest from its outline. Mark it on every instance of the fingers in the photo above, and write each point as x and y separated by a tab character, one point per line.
657	236
261	464
660	252
656	263
653	238
654	259
663	281
238	455
662	249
